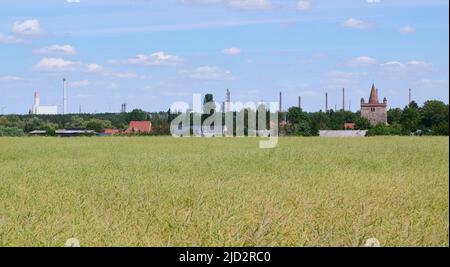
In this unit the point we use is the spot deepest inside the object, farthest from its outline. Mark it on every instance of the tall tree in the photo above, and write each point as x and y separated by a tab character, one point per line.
137	115
410	119
394	115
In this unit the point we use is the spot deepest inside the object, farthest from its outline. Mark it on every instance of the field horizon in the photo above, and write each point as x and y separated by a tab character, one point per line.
162	191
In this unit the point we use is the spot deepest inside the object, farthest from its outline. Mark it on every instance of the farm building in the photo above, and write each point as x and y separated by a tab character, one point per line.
74	132
37	133
349	126
139	127
347	133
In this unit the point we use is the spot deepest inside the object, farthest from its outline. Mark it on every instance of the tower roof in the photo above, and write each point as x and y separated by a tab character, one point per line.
373	95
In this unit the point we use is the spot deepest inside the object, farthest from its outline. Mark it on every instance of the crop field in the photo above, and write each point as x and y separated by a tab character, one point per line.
162	191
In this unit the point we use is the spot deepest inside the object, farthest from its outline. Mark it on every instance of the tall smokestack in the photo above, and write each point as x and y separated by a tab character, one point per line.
343	99
300	102
326	102
64	96
228	101
37	101
281	102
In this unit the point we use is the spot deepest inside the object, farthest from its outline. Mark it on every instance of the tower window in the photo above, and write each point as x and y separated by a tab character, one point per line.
372	109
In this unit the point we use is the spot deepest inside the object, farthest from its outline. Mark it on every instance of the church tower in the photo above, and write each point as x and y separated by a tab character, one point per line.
374	111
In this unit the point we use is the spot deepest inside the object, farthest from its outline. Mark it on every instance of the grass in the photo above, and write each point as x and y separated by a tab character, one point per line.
152	191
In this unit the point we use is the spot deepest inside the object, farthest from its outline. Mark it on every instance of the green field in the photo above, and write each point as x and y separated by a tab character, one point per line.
151	191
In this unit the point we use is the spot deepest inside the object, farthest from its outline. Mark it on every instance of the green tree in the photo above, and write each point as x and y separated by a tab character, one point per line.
363	124
435	116
33	124
11	131
137	115
319	121
299	123
76	122
98	125
381	129
410	119
394	115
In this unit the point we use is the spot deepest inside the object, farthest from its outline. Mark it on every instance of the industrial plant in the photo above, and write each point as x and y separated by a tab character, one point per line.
37	109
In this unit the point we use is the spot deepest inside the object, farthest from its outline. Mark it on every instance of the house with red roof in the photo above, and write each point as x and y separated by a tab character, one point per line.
139	127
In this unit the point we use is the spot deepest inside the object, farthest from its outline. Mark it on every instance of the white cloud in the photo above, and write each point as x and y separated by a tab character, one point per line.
432	84
10	39
80	84
356	24
303	5
412	63
21	32
249	4
130	75
209	73
73	1
10	78
361	61
56	64
412	66
155	59
66	50
233	51
235	4
27	27
187	2
417	63
373	1
393	64
94	68
407	29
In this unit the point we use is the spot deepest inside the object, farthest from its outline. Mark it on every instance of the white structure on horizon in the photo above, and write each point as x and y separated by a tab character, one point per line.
37	109
346	133
64	96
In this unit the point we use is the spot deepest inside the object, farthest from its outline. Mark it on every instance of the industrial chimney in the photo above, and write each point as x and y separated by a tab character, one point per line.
36	104
64	96
281	102
300	102
326	102
343	99
228	101
37	101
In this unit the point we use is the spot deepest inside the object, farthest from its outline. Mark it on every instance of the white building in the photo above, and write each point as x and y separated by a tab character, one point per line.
37	109
346	133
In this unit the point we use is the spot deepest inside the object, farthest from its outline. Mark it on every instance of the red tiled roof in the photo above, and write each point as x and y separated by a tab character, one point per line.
349	126
373	95
139	127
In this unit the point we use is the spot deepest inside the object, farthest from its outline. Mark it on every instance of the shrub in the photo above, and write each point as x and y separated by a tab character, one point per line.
11	131
393	129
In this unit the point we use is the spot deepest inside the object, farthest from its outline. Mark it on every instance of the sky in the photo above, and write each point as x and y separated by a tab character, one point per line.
152	53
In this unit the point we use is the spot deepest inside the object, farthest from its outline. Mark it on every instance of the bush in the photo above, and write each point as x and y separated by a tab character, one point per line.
393	129
11	131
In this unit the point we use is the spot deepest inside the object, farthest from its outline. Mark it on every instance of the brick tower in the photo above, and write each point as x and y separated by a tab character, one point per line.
374	111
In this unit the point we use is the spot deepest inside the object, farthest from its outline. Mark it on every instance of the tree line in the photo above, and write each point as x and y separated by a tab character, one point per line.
430	119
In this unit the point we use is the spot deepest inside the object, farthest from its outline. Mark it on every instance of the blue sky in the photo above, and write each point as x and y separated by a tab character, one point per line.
151	53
